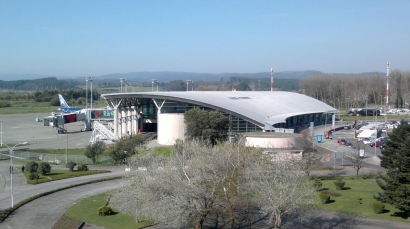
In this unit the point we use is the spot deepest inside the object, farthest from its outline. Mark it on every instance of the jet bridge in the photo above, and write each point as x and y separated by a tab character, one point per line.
87	115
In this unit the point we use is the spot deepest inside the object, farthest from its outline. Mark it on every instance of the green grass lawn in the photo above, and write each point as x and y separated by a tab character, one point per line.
86	210
348	201
79	151
57	174
370	118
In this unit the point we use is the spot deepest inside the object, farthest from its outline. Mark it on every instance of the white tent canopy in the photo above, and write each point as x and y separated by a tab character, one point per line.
367	134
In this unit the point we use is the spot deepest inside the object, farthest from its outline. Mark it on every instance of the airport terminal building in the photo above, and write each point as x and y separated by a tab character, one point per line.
248	111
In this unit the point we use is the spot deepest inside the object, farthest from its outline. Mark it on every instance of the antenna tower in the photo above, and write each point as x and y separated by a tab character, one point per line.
271	79
387	86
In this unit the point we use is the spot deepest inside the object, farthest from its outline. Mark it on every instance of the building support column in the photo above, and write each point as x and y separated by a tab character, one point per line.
129	121
123	122
116	121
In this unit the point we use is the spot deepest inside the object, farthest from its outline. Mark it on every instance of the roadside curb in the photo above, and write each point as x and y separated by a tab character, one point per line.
10	210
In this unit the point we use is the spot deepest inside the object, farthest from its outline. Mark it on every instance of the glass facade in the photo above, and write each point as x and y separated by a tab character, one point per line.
238	124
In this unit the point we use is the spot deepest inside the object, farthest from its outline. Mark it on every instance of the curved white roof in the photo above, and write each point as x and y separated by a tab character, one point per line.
263	107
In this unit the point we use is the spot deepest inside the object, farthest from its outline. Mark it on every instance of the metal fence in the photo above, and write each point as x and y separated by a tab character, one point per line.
60	158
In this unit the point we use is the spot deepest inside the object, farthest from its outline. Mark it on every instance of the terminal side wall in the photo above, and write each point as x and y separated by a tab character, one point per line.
171	127
260	142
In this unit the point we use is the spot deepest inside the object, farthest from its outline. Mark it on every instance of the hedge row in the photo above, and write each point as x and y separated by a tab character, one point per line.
66	175
9	210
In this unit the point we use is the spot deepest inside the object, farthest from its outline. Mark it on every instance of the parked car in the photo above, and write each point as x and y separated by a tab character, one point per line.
376	143
367	141
349	144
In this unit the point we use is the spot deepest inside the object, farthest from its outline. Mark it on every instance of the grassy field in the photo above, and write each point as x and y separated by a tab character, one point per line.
370	118
349	202
79	151
30	106
56	174
86	210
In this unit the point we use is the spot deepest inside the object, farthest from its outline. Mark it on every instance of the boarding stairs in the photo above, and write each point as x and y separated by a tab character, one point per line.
102	133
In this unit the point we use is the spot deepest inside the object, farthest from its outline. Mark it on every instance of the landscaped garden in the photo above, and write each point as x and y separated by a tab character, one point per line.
357	198
86	210
36	173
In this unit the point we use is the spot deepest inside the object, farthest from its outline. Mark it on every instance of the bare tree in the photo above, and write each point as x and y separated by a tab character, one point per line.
308	153
198	181
356	158
183	189
279	188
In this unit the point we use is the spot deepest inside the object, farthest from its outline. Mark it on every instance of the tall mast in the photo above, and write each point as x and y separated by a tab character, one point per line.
387	86
271	79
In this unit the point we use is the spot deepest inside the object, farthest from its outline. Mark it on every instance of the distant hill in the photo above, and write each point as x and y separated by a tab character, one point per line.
9	77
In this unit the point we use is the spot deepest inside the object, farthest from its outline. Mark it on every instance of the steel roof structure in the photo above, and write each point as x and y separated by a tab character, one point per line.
259	107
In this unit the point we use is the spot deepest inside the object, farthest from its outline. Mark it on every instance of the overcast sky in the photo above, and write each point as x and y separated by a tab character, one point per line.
78	38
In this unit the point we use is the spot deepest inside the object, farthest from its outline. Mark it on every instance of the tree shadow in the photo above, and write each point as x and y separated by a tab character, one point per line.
402	215
346	188
318	219
385	211
331	201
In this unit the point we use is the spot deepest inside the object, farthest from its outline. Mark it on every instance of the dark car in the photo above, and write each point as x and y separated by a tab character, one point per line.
349	144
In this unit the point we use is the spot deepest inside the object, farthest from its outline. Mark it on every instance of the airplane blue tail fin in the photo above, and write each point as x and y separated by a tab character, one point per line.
63	103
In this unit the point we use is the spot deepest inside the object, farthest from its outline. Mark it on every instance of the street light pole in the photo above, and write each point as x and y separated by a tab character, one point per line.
11	169
152	84
187	82
366	109
339	112
66	149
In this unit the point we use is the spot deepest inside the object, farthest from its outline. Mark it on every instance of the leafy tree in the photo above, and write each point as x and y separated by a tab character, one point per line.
43	168
175	85
31	166
55	101
243	87
93	151
211	126
70	165
396	159
124	148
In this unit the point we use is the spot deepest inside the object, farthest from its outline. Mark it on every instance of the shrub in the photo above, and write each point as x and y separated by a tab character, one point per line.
317	185
44	168
104	210
31	166
330	193
378	207
4	103
324	198
33	176
82	167
339	184
70	165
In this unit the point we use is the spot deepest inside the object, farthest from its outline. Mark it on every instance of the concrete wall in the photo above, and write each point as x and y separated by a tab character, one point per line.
261	142
170	128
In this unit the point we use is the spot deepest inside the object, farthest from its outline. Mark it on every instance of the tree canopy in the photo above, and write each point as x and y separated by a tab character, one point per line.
396	159
211	126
